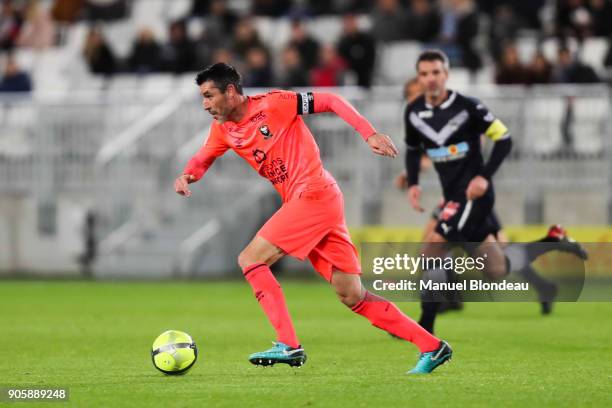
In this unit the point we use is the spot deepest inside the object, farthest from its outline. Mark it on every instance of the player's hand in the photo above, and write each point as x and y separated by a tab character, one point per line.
477	187
181	184
401	181
382	145
414	196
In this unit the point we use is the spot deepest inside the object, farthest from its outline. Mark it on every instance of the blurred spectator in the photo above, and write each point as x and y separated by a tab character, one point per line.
258	72
460	28
14	78
200	7
389	21
356	6
358	50
222	55
66	11
570	70
510	70
98	54
38	30
220	22
270	8
293	73
146	52
423	21
526	12
106	10
330	70
540	70
305	43
503	28
245	38
574	18
179	54
320	7
90	244
10	25
602	17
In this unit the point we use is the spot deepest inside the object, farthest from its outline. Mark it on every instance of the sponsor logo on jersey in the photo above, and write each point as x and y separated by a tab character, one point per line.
275	171
449	153
425	114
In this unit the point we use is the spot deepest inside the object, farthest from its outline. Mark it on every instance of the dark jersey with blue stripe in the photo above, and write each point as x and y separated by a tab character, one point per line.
450	135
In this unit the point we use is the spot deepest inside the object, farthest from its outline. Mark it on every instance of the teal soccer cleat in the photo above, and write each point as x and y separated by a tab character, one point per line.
279	353
431	360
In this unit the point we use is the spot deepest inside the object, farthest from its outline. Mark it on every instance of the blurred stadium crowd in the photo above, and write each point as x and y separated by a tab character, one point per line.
476	34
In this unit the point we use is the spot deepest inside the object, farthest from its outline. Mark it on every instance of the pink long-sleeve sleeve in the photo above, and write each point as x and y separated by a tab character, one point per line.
204	158
328	102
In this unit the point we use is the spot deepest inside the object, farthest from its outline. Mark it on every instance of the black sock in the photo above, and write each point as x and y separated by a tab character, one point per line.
429	310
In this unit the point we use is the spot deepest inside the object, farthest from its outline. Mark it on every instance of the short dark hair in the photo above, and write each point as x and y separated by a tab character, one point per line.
222	75
433	55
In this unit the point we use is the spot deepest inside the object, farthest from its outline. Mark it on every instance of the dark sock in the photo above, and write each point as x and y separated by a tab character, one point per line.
429	310
431	299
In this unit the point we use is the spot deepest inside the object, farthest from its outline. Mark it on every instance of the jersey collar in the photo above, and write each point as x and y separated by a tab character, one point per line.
448	102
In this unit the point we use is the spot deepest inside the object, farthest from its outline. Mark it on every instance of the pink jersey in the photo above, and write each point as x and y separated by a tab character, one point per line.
275	141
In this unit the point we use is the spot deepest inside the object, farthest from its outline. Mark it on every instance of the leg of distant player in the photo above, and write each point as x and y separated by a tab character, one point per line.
255	261
452	299
429	304
522	255
429	229
556	239
495	267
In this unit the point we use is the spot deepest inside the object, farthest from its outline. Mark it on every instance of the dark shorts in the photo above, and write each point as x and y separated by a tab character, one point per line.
460	220
494	219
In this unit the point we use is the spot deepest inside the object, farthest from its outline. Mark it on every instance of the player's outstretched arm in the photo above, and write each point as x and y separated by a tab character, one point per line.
198	165
379	143
195	169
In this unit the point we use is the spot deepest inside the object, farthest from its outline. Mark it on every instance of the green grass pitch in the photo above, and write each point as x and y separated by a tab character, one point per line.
95	338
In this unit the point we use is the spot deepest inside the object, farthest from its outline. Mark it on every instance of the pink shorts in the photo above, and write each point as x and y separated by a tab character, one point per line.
313	226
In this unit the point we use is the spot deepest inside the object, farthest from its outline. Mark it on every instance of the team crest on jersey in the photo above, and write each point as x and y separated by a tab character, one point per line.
265	131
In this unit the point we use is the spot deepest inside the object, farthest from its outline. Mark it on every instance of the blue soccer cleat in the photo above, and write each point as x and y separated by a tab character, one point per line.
431	360
279	353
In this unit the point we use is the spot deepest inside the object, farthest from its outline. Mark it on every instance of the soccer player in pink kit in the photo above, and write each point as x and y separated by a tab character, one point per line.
268	132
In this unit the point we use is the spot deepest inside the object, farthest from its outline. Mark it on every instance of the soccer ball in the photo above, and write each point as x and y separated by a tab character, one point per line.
174	352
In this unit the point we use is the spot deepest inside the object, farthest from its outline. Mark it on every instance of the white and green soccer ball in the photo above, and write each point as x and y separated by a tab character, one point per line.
174	352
